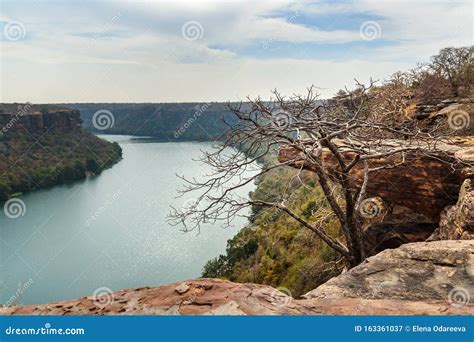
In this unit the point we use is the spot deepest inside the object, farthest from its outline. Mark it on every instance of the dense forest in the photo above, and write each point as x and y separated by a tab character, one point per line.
31	161
164	121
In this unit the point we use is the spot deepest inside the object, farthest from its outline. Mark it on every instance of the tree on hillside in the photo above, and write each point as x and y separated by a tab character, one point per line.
456	65
361	129
431	87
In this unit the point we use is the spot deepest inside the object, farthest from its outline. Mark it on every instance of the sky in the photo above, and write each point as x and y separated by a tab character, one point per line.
186	51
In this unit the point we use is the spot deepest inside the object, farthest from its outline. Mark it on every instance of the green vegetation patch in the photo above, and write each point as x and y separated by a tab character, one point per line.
38	161
274	249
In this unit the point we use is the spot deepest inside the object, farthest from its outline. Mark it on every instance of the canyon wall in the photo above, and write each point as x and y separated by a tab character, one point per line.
423	197
38	119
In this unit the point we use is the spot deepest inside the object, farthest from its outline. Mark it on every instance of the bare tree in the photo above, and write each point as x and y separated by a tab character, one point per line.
362	129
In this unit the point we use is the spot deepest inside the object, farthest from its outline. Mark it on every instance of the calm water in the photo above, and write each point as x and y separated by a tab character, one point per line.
108	231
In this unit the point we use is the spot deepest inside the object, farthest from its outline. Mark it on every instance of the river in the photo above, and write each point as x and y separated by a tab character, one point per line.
109	230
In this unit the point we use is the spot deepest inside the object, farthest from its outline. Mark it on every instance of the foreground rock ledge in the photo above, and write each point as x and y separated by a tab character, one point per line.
422	271
415	279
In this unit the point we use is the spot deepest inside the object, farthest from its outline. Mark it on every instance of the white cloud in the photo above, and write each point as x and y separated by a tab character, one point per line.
141	56
166	81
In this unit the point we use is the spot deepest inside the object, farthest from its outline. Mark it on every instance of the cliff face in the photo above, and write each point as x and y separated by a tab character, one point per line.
424	197
38	119
421	183
417	279
457	221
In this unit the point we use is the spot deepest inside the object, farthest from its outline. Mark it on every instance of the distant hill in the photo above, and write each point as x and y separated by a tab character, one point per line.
165	121
42	146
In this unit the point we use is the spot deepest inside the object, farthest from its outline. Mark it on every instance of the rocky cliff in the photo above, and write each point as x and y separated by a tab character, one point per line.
37	118
432	278
457	221
423	197
423	183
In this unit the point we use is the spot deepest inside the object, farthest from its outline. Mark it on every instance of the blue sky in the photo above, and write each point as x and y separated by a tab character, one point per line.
155	51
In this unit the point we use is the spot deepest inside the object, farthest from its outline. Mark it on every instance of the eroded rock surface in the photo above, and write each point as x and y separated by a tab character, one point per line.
425	184
428	197
457	221
416	279
423	271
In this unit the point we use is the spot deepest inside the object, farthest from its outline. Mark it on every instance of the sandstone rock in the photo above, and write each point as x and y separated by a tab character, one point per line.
182	288
381	236
424	271
424	184
422	194
229	309
203	297
457	221
465	208
227	298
